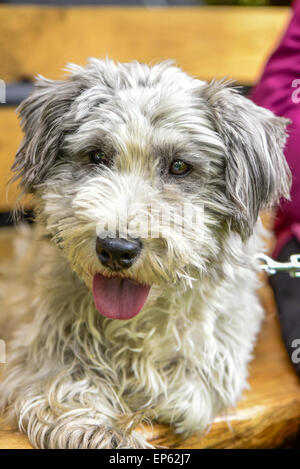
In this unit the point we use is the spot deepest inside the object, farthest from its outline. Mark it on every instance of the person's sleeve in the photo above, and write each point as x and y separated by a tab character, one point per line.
275	89
279	90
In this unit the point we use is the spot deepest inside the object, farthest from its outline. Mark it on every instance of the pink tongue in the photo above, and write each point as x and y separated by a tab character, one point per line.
118	298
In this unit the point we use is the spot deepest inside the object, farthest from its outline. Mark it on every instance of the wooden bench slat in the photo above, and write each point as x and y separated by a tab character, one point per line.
10	138
206	41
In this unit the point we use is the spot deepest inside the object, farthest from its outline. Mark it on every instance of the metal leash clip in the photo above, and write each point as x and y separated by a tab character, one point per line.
272	267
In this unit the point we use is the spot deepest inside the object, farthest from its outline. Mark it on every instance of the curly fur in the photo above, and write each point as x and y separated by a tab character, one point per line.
75	379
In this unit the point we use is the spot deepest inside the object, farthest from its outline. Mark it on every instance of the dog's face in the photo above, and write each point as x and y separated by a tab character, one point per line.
142	173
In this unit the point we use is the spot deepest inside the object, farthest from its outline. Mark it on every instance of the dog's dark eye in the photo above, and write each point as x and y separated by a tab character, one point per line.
179	168
97	157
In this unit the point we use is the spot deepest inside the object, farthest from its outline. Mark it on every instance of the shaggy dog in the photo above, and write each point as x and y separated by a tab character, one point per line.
108	327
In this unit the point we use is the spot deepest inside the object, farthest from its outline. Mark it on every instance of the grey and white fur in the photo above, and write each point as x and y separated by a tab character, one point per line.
77	379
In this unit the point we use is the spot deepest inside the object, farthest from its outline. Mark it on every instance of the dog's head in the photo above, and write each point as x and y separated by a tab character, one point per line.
140	174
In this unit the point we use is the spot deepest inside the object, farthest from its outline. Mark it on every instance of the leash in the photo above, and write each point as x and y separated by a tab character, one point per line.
272	267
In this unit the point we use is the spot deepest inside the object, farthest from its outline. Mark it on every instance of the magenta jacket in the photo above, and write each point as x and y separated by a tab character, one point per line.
279	91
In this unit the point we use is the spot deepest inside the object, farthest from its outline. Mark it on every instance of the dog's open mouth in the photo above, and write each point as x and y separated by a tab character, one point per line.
119	298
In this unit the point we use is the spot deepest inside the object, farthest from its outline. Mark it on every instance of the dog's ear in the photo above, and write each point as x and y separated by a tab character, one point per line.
256	171
43	121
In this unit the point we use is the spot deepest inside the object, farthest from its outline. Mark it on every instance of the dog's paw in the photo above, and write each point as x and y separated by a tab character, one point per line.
94	437
116	439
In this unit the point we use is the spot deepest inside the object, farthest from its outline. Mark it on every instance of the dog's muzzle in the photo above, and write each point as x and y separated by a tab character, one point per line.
116	296
118	253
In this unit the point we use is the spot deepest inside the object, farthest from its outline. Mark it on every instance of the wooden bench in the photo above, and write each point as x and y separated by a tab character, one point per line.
206	42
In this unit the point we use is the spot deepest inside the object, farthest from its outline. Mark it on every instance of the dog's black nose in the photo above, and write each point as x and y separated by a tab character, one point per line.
118	253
